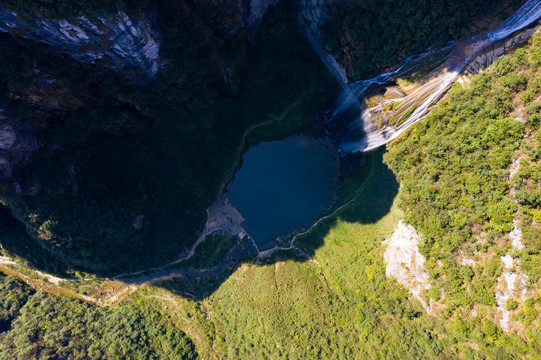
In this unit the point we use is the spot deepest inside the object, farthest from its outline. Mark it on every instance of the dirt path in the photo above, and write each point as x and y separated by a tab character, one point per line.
221	215
131	285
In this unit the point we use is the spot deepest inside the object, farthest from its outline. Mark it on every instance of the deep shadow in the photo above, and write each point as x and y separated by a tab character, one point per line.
172	157
378	189
125	173
16	242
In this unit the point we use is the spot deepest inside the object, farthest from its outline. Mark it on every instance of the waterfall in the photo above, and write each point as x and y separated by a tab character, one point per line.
312	18
433	90
257	10
361	134
526	15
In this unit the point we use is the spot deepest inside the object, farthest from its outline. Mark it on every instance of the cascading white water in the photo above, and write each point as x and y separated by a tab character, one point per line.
311	19
526	15
257	10
361	134
523	17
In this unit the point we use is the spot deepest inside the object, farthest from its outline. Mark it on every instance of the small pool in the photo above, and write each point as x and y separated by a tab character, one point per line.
284	185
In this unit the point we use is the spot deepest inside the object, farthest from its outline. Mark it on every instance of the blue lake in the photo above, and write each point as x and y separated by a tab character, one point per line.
283	185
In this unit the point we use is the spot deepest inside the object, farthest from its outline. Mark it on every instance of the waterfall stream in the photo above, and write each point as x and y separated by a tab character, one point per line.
360	134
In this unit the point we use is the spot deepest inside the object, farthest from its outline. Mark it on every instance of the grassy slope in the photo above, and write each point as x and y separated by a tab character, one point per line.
340	305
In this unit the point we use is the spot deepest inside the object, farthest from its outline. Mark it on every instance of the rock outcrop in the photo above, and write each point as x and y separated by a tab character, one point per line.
120	42
15	145
405	263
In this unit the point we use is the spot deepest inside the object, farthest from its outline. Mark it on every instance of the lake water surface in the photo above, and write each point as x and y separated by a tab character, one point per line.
283	185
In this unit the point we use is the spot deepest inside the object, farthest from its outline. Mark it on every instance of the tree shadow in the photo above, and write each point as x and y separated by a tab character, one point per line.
16	242
376	186
378	190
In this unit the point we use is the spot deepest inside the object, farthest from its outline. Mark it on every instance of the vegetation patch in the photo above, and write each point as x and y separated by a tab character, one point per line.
369	36
124	176
45	326
454	167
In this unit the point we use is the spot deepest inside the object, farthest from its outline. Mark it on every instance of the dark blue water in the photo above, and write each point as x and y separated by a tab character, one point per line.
282	186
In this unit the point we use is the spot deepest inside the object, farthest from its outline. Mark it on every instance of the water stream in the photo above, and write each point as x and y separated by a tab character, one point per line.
350	118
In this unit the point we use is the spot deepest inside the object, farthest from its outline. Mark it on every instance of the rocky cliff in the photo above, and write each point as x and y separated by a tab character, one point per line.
130	44
119	42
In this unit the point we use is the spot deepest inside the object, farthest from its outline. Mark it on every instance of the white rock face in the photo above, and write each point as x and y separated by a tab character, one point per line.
505	291
516	236
258	9
405	263
464	260
515	166
7	136
512	283
15	145
507	261
120	41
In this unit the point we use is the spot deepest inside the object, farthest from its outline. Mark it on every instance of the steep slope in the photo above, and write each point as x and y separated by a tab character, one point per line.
461	195
368	36
110	175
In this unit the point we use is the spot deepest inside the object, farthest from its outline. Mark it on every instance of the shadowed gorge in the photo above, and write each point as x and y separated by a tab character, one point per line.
126	144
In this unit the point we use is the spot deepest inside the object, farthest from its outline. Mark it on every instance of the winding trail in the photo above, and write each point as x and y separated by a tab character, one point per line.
229	177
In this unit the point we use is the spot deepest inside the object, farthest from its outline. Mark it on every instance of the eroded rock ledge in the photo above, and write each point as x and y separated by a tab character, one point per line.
405	263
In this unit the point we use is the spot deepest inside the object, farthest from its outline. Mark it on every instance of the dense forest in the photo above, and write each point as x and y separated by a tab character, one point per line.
39	326
125	172
369	36
454	167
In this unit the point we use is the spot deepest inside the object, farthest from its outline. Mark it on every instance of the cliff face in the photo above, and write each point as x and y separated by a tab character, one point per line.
120	42
256	11
109	173
367	36
130	44
15	145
